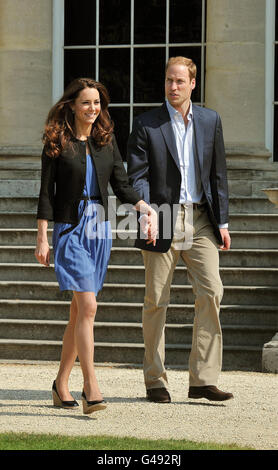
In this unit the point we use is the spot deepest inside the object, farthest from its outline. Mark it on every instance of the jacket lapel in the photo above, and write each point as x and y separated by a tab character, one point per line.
97	154
168	133
198	126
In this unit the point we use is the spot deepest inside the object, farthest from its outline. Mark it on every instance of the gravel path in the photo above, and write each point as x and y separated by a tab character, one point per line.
251	419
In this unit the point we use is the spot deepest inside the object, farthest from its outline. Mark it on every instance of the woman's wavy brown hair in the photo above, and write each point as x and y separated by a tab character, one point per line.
59	127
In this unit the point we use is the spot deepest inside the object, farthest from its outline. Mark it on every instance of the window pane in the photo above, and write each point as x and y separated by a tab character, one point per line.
275	144
137	110
276	23
79	63
276	74
80	22
193	53
120	117
275	139
149	21
149	72
114	73
185	21
114	22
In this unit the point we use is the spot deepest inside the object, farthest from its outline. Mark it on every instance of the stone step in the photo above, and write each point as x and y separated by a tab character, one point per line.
19	254
34	309
258	258
246	295
240	239
249	314
253	239
136	274
252	172
230	276
232	258
20	160
267	258
13	201
18	174
180	294
251	222
14	188
251	205
119	332
21	236
17	203
132	312
14	171
250	188
234	357
20	219
27	184
31	161
256	222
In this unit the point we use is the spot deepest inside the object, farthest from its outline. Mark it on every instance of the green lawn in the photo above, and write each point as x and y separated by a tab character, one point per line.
24	441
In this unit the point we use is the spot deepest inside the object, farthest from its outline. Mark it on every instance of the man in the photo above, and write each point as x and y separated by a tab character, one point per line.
176	156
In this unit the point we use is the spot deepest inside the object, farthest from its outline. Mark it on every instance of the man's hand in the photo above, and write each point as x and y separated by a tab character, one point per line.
226	239
148	224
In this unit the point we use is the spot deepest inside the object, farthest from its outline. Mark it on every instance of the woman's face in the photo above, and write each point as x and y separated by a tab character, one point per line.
87	106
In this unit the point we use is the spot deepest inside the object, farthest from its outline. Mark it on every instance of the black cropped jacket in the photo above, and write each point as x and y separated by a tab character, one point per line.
63	180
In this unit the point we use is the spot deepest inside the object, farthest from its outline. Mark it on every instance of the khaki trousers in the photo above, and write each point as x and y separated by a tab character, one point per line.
202	261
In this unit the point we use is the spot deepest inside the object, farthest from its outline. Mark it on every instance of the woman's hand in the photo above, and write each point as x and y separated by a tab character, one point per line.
153	227
148	221
42	252
148	224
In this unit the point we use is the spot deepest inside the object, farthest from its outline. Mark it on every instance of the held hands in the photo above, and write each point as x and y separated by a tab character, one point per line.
42	253
148	225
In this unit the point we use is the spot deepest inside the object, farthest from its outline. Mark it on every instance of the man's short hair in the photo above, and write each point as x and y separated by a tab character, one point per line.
179	60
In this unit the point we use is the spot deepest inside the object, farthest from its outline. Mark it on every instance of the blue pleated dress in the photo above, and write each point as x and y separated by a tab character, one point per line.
81	255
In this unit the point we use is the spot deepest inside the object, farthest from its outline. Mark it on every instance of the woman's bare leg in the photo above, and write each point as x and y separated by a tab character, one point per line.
84	340
68	355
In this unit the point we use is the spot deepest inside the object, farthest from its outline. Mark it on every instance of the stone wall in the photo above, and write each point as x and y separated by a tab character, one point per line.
26	70
235	69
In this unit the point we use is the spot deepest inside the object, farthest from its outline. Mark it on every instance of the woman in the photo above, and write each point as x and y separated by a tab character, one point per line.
79	159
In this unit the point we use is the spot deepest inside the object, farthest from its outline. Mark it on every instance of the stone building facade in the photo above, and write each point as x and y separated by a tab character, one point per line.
237	66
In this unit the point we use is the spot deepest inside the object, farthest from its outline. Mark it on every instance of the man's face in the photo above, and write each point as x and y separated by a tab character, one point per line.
178	86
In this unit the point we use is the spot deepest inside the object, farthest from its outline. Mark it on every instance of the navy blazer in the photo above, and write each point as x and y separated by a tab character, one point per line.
63	180
154	170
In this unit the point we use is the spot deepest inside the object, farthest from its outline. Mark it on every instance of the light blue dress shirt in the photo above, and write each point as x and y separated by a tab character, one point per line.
191	189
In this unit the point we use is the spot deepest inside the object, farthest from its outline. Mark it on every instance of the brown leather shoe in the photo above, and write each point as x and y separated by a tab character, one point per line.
158	395
210	392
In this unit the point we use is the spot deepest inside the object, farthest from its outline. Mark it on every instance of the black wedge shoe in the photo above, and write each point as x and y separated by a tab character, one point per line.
91	406
70	405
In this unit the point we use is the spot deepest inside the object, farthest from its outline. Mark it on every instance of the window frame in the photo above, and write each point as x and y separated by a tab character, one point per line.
59	47
270	75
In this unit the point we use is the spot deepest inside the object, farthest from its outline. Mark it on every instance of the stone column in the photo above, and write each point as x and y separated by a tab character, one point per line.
25	63
270	349
235	77
270	356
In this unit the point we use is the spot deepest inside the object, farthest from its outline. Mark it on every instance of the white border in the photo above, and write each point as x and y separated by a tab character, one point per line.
57	49
269	73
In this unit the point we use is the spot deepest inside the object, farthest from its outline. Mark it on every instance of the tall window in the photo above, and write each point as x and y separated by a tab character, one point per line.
125	45
275	140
